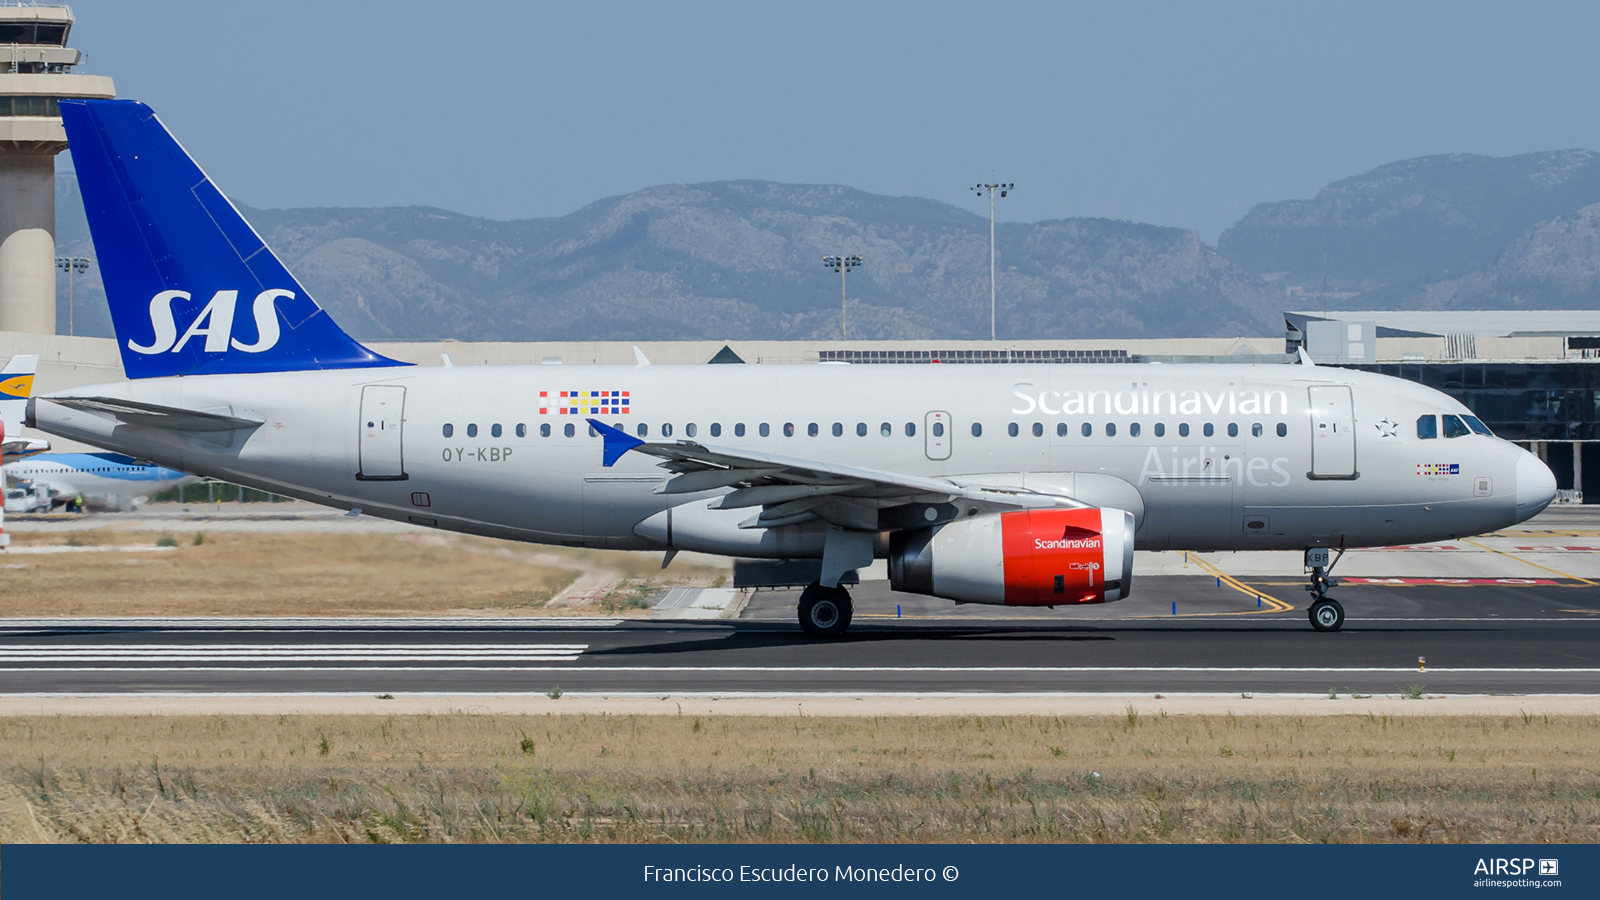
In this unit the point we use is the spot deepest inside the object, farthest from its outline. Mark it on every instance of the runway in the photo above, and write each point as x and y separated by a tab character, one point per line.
1497	635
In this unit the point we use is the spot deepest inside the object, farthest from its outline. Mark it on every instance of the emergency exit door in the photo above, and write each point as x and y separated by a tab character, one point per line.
1333	432
936	435
382	421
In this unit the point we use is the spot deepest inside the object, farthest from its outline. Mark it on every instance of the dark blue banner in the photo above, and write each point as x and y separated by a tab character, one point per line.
31	872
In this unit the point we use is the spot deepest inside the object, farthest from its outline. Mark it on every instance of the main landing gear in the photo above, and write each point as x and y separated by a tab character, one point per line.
1325	613
825	612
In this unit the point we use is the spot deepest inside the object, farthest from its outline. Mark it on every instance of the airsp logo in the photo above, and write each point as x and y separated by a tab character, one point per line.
215	323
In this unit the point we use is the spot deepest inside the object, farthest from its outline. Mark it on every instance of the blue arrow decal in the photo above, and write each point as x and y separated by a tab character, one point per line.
617	441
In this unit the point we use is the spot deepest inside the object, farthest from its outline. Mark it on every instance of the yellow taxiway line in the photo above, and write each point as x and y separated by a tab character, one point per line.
1277	605
1530	563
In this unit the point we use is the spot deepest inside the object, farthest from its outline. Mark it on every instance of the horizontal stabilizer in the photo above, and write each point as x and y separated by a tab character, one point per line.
170	418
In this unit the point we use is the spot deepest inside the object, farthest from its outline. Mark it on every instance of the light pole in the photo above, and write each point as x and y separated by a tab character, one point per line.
843	264
981	189
70	264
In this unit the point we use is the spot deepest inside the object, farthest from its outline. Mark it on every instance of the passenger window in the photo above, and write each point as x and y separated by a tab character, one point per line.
911	429
1133	430
1427	427
569	430
1183	429
1038	429
1012	429
592	432
716	429
1209	431
861	429
642	429
1454	427
1087	430
1161	429
765	431
494	430
738	430
788	429
886	429
666	429
938	429
449	430
1233	429
544	430
688	430
1283	430
472	431
1111	429
977	430
522	430
1061	429
1255	430
1477	425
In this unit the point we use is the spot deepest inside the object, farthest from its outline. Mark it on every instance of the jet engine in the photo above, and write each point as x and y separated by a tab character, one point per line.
1040	557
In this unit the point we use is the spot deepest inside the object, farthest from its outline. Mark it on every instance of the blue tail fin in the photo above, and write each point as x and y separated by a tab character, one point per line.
193	289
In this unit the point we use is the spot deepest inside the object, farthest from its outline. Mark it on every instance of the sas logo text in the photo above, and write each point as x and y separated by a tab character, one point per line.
1438	468
214	323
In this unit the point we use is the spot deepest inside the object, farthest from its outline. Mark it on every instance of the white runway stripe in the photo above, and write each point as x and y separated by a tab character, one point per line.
13	657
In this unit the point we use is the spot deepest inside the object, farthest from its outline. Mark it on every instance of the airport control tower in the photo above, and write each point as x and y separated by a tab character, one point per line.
35	71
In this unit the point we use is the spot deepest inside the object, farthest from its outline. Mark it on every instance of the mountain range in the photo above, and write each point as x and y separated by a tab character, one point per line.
743	260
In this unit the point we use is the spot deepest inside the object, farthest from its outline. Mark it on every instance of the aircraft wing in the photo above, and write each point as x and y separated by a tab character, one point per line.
21	448
171	418
790	490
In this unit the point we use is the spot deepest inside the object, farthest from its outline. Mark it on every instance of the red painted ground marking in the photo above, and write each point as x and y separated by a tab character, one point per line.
1453	581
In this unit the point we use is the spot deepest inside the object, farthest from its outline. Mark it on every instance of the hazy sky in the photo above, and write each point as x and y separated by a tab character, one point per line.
1179	114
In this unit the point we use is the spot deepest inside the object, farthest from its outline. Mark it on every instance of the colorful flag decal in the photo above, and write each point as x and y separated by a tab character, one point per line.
584	403
1438	468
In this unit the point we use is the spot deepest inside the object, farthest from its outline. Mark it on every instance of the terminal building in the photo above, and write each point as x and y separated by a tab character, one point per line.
1533	376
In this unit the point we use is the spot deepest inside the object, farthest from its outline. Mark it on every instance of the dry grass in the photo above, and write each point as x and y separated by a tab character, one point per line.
295	574
662	778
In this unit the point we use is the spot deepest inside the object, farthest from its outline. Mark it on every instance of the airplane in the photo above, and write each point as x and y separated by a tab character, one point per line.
1002	484
106	481
16	383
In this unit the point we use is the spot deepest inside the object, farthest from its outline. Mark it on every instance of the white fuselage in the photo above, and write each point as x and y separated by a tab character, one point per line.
104	480
1230	482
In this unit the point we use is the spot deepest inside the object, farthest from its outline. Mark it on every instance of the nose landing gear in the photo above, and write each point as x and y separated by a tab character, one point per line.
825	612
1325	613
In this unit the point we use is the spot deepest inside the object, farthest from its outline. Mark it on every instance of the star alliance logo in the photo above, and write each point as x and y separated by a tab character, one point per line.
1387	429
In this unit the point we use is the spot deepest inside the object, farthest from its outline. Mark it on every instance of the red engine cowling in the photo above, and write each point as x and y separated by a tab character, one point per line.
1043	557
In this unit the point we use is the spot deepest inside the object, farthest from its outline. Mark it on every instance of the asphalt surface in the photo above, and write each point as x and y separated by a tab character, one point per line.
1488	635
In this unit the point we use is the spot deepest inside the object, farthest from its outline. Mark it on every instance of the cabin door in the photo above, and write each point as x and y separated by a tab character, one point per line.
1333	432
382	421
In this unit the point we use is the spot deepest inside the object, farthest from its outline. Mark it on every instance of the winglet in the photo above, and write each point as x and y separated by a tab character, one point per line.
617	441
1305	358
639	356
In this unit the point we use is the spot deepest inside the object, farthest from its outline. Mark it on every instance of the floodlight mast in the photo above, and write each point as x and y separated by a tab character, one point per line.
843	265
70	264
981	189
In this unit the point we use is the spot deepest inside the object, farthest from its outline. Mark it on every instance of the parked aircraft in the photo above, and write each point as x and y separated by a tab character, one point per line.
1004	484
107	481
16	383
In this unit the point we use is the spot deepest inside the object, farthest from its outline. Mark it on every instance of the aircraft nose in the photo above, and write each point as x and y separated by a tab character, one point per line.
1536	486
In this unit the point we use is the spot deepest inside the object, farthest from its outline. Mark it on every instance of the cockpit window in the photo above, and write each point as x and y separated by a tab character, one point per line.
1477	425
1427	427
1454	427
